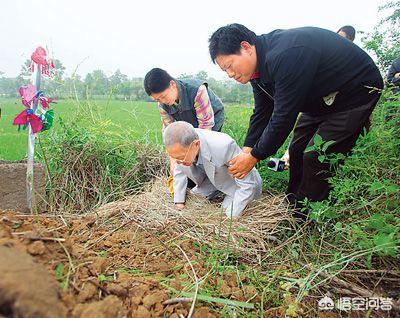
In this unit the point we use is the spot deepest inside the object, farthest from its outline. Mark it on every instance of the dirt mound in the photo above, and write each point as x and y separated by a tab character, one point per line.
100	272
110	306
250	235
26	288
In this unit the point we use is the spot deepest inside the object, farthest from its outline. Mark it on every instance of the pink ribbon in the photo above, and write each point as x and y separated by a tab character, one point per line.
40	57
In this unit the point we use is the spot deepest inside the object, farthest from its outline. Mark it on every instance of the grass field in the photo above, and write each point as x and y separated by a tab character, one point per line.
356	230
139	119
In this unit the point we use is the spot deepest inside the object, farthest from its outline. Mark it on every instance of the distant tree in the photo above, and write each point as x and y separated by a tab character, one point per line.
202	75
74	87
138	92
97	83
9	86
384	41
25	71
126	89
117	81
185	75
53	85
117	78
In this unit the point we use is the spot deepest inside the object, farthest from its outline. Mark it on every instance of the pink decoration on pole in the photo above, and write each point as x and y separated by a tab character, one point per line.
45	101
28	94
40	58
28	117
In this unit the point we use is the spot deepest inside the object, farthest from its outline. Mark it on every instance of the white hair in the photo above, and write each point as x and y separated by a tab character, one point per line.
179	132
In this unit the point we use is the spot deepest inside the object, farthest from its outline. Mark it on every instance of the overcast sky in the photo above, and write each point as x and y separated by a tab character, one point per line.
135	36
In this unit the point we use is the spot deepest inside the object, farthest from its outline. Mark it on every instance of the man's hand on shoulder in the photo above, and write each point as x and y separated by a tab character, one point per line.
241	165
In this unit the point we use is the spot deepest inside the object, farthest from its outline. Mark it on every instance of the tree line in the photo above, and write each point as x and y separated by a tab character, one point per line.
382	43
97	85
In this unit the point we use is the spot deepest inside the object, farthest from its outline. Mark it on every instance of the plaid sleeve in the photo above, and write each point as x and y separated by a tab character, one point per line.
204	111
166	119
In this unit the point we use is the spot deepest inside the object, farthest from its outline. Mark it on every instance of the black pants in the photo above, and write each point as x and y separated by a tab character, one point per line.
308	176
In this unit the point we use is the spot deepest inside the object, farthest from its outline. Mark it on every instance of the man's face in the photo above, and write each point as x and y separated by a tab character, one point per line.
239	66
184	155
168	96
343	34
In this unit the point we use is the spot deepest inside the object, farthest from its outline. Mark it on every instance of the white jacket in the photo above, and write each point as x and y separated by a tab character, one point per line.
216	150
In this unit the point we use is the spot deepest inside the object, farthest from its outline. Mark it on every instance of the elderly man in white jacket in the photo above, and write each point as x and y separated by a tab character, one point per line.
203	156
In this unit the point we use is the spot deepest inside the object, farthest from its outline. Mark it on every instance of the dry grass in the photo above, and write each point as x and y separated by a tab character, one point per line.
90	176
250	236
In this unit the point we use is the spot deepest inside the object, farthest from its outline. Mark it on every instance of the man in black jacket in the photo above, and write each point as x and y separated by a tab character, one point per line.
333	82
393	76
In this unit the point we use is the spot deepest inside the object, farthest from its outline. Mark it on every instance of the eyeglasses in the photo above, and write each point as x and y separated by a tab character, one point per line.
187	152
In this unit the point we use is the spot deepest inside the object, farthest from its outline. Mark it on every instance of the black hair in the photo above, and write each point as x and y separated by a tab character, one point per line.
226	40
156	81
350	32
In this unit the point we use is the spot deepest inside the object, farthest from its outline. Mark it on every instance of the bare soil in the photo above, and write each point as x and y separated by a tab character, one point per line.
106	274
73	266
13	185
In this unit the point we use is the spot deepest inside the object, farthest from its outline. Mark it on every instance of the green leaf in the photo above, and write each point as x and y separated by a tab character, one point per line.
222	301
377	221
104	278
327	144
331	214
375	186
318	140
365	243
321	158
310	148
338	226
391	188
368	261
59	271
386	242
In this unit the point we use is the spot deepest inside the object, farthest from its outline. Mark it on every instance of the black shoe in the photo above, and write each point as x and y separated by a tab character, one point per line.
216	197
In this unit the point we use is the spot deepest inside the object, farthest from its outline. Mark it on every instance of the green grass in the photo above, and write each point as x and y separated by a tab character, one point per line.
138	119
135	119
357	228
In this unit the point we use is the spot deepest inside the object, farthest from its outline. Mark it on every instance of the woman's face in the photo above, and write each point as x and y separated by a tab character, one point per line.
168	96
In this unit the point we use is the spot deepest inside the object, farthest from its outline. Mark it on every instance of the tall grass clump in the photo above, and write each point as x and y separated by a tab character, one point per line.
91	163
363	208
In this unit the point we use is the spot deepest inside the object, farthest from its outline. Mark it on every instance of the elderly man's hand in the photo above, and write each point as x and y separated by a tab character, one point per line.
247	149
241	165
180	206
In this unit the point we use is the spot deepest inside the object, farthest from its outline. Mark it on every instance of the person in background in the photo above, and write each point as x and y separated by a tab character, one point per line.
334	84
203	156
349	33
188	100
393	76
393	81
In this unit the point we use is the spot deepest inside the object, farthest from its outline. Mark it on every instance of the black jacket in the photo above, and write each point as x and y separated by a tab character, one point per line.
299	68
394	68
